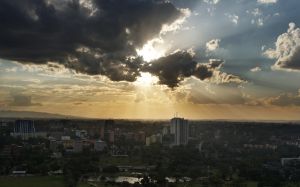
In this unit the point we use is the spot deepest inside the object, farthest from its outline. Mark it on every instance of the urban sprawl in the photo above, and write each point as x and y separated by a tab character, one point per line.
176	152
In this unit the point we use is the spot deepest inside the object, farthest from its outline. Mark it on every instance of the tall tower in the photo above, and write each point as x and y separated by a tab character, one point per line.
24	128
180	130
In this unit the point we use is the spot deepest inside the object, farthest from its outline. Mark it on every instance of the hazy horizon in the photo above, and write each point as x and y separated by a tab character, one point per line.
47	116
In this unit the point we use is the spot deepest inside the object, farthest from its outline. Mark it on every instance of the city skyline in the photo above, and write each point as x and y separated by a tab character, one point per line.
130	59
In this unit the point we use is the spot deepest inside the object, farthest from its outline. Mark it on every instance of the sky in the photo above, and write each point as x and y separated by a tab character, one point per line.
151	59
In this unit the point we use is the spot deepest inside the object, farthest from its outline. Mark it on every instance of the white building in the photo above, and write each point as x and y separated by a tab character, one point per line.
155	138
148	141
180	129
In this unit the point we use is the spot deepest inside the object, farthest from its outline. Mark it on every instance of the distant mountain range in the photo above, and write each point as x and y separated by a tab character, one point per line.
45	115
29	114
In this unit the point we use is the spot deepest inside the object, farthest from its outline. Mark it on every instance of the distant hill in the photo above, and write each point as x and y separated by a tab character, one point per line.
28	114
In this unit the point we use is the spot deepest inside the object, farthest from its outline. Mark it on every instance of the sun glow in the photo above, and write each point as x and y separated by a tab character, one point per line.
152	50
145	80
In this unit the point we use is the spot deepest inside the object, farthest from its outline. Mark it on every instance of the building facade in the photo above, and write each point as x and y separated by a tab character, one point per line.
180	129
24	129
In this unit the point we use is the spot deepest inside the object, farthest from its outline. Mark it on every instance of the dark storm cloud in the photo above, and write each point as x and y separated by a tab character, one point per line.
37	31
115	67
173	69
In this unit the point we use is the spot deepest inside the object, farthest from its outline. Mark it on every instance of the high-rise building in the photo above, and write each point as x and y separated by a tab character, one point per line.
24	128
109	136
180	129
107	132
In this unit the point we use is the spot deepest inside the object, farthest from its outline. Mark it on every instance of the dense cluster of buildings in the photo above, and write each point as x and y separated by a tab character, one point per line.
125	140
74	136
174	134
77	137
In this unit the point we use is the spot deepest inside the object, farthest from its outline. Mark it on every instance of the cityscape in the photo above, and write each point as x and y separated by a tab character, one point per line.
174	152
149	93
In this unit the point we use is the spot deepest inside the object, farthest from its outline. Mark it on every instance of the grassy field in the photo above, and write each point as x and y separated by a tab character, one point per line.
51	181
34	182
251	184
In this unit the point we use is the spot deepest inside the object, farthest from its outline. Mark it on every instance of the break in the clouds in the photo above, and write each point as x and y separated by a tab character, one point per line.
92	36
106	54
287	51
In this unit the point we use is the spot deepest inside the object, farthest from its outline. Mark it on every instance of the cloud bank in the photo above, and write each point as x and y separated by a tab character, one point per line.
97	37
91	36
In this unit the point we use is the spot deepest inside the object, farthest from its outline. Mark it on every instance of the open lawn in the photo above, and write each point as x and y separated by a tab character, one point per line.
251	184
52	181
35	181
